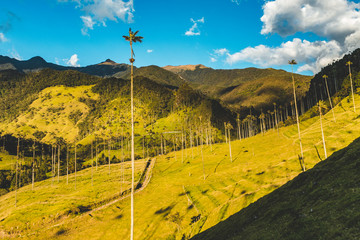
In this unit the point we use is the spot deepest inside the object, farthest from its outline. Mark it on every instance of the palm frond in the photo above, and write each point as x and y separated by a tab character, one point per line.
292	62
137	39
126	38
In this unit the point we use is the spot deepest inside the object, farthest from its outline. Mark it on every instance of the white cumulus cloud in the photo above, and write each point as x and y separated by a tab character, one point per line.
338	21
313	54
97	12
334	19
3	38
194	30
73	61
88	24
221	52
149	51
218	53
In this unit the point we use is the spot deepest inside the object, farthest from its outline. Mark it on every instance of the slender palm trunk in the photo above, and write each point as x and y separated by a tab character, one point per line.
67	164
210	137
161	145
352	89
191	143
122	160
75	165
16	170
226	139
132	145
52	165
109	155
230	144
202	154
33	170
58	164
322	133
97	152
330	101
174	139
182	147
297	120
92	164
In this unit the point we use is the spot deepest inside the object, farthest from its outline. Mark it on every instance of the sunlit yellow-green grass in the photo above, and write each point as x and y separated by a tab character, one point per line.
178	191
51	200
51	113
6	161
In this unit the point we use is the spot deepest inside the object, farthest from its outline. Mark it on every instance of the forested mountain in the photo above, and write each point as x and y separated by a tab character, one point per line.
156	74
18	91
244	88
240	89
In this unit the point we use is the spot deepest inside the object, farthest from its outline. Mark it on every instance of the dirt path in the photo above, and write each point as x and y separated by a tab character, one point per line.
148	175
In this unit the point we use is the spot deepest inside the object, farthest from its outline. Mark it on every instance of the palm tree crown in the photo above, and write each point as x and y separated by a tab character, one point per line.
132	37
292	62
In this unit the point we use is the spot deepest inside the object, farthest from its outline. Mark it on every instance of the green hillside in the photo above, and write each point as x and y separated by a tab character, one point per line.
321	203
69	104
241	88
178	198
59	109
157	74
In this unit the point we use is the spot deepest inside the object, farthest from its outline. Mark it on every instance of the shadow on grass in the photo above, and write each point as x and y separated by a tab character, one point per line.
61	231
165	211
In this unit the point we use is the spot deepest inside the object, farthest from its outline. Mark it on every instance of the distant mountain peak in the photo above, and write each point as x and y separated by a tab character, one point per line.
108	62
37	60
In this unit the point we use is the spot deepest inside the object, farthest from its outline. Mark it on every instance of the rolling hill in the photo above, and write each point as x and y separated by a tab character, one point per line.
244	88
157	74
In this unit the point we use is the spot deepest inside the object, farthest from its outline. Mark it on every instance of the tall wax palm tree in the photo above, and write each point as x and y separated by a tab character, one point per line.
292	63
330	101
132	38
352	90
229	127
321	105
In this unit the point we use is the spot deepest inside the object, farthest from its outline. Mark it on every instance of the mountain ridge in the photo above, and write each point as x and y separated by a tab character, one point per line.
248	90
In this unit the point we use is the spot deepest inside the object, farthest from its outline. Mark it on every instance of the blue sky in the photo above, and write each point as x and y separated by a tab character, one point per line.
219	34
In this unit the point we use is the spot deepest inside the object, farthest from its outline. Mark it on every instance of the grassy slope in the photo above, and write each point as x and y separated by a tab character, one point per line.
321	203
50	113
51	201
261	164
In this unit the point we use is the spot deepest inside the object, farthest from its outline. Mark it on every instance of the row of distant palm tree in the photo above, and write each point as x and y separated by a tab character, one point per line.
321	106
